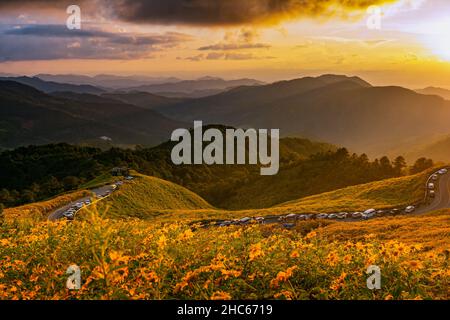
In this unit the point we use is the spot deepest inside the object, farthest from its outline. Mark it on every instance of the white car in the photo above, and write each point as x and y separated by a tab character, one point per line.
443	171
342	215
410	209
370	212
291	216
431	186
332	216
434	177
322	216
245	220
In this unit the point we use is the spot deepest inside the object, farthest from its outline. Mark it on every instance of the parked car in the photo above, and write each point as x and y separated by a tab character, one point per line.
410	209
443	171
245	220
356	215
291	216
431	186
369	211
322	216
342	215
395	211
432	194
434	177
332	216
381	212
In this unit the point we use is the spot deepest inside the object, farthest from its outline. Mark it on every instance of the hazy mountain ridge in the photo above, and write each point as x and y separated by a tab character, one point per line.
444	93
29	116
50	86
337	109
108	81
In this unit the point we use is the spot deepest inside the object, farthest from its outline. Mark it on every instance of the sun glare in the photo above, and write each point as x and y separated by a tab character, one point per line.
437	39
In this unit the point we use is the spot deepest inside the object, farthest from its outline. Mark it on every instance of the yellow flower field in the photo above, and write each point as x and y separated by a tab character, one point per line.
134	259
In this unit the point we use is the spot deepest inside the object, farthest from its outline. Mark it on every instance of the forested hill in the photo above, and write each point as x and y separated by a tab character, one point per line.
34	173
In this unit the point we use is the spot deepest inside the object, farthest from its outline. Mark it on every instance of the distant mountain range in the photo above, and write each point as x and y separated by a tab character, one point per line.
202	87
341	110
50	86
444	93
107	81
143	99
29	116
169	87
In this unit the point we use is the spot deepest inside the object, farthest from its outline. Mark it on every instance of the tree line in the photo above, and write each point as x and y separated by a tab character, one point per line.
35	173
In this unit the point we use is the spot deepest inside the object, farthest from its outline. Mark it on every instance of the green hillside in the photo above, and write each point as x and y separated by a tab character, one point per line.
387	193
148	195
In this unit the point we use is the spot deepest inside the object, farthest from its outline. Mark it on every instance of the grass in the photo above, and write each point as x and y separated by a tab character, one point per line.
387	193
103	179
145	196
166	257
431	230
152	198
141	259
396	192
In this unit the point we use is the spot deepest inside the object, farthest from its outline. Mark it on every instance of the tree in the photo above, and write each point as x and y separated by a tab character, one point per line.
421	164
385	166
399	165
70	183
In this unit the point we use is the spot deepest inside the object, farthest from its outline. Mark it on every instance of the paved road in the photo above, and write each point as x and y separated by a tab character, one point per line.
58	214
442	199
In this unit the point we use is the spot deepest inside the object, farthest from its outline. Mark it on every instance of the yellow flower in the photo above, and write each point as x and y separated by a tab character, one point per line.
332	259
162	242
256	251
287	294
339	282
311	235
186	235
414	265
283	276
347	258
220	295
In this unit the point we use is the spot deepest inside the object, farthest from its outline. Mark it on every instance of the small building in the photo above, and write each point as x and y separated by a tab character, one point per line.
120	171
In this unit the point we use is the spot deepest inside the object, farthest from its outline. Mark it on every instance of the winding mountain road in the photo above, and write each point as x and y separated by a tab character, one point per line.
58	214
442	198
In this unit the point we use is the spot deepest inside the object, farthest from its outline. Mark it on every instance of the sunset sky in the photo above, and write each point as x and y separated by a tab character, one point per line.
264	39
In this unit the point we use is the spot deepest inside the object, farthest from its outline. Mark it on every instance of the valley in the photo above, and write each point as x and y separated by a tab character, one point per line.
328	207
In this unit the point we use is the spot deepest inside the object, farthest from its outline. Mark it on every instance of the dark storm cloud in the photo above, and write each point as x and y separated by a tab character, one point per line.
207	12
47	42
42	30
229	12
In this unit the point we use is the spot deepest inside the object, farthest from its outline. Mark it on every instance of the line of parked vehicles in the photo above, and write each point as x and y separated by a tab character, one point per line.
434	177
70	213
364	215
